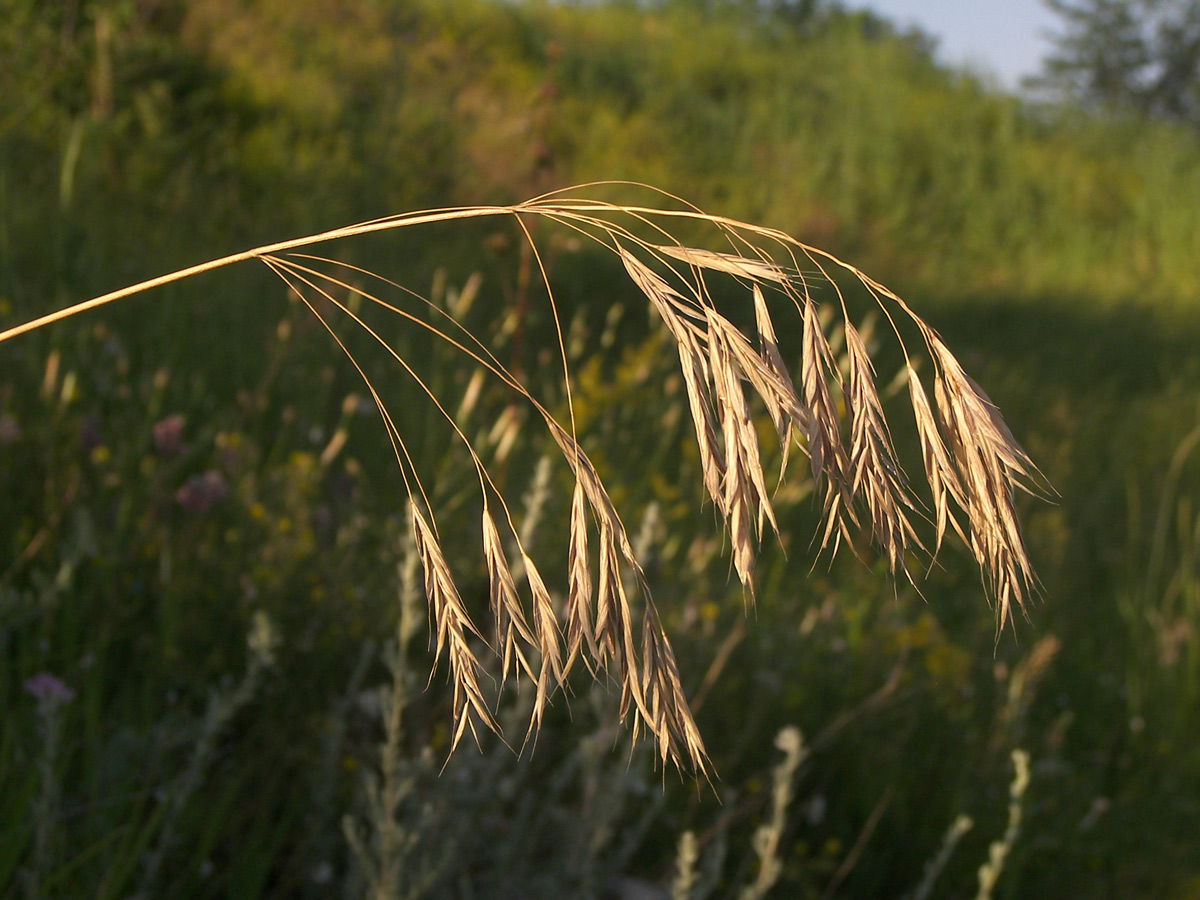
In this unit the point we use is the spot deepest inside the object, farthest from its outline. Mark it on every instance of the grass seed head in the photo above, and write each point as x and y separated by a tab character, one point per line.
971	461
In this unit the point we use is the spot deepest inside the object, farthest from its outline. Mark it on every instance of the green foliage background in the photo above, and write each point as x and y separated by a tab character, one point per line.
1056	252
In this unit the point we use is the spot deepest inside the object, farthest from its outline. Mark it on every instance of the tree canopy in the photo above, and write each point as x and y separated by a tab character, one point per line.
1142	55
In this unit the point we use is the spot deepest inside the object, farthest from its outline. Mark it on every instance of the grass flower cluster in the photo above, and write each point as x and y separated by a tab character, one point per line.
832	414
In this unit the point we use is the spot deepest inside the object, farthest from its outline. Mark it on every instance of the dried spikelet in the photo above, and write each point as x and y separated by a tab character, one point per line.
990	465
738	515
506	607
451	627
732	264
615	637
614	623
766	373
612	606
692	365
597	495
985	417
823	437
875	476
778	392
744	497
546	627
1010	452
712	462
669	720
939	470
510	618
731	357
579	583
666	300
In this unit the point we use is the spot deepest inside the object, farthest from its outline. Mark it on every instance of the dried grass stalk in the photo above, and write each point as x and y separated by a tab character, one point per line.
970	458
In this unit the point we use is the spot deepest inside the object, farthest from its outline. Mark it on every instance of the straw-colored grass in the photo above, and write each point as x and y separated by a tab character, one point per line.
972	463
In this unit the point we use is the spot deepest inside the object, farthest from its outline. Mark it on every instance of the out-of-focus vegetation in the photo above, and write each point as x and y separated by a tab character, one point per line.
1141	55
209	687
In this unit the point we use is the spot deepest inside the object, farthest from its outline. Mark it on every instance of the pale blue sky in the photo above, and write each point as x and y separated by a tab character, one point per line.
1002	37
